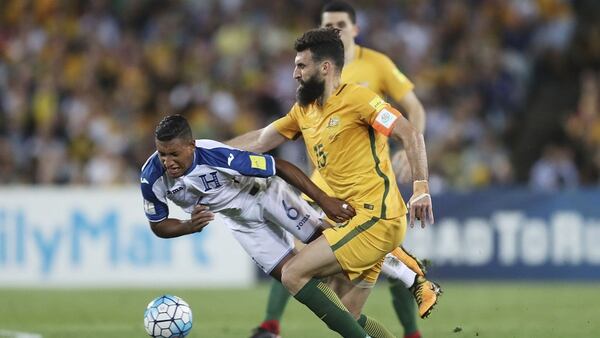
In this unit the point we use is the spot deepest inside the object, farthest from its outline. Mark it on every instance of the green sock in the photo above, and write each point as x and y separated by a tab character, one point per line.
373	328
324	303
278	299
405	306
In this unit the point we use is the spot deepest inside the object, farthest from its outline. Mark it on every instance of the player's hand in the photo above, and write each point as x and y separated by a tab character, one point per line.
201	216
337	210
420	205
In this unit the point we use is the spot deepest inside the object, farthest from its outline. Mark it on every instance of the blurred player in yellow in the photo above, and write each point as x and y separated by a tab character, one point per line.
345	128
377	72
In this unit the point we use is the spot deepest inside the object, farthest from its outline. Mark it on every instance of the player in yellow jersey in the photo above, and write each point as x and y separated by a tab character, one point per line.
345	127
377	72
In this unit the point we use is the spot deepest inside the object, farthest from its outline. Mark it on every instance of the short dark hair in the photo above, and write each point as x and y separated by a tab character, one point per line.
340	6
323	43
172	127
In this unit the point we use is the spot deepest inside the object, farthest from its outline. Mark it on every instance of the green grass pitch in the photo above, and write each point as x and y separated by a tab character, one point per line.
467	309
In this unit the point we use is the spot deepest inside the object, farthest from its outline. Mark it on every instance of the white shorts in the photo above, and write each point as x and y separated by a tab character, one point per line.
265	227
266	245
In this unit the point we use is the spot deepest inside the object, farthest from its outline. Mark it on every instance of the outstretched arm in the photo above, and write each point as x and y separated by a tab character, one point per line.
337	210
258	141
172	227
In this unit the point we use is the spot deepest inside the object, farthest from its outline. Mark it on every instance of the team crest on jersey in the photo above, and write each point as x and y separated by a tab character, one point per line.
333	122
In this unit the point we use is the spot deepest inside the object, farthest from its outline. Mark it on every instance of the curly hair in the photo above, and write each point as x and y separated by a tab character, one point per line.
323	43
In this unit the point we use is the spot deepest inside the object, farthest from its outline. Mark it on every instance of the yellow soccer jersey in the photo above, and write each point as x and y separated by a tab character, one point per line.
377	72
345	147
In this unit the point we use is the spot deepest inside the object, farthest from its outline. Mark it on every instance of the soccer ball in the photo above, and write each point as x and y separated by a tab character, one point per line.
168	316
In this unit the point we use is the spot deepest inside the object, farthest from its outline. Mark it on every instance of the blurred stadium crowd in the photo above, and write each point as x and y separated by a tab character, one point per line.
511	87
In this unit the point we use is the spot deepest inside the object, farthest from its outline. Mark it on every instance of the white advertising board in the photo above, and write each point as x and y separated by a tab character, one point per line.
86	237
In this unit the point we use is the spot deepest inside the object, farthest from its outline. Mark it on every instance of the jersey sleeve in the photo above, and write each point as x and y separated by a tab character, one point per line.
155	209
251	164
376	112
395	84
155	205
288	126
236	161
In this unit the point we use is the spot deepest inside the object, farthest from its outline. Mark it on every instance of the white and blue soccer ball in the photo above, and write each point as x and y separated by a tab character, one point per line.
168	316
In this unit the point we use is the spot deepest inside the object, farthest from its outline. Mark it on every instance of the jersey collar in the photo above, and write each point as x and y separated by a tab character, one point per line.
189	170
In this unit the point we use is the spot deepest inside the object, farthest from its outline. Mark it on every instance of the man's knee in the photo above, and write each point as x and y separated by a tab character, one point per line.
278	269
291	277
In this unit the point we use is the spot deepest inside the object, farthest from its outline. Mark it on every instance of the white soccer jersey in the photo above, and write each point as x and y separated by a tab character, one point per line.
261	211
220	177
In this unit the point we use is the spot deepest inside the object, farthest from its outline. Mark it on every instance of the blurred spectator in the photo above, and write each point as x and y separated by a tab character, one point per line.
555	170
583	127
82	83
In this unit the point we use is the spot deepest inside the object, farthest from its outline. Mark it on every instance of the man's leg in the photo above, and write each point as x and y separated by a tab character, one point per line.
421	290
344	288
358	248
270	327
412	262
406	310
281	199
270	247
348	292
401	278
277	301
318	260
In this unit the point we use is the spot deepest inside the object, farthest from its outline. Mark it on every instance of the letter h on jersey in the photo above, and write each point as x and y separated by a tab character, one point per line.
207	183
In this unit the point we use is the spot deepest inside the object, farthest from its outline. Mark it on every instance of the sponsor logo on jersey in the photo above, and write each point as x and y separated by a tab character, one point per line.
171	192
144	180
229	159
377	103
258	162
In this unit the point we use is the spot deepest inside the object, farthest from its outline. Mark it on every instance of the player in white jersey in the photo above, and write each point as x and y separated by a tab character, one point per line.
258	207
